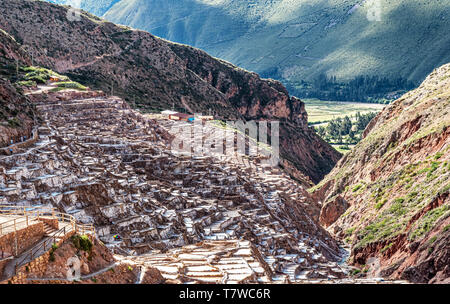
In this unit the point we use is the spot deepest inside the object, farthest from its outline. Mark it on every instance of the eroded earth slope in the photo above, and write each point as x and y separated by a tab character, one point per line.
395	184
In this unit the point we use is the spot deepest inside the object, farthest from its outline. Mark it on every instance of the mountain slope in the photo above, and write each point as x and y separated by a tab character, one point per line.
295	40
16	112
155	74
396	184
98	7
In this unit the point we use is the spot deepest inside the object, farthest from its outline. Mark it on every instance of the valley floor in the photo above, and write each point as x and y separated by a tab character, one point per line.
324	110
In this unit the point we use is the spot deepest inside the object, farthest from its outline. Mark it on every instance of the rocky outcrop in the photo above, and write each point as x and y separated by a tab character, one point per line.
16	115
11	51
154	74
396	182
332	210
253	97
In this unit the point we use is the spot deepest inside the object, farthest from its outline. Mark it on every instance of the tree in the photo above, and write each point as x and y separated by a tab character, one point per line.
346	126
351	135
321	131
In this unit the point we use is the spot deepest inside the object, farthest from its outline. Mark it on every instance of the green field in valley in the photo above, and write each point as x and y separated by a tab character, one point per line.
323	110
329	116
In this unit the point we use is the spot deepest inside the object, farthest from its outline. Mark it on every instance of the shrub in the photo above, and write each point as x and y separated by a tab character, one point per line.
357	187
27	83
434	167
397	207
82	243
387	247
355	272
14	123
71	85
412	195
433	239
381	204
438	155
350	231
51	258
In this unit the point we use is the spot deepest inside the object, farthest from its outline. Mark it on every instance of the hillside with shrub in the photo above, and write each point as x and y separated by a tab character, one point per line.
389	197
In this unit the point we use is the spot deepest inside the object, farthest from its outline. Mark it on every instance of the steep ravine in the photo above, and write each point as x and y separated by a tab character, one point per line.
389	197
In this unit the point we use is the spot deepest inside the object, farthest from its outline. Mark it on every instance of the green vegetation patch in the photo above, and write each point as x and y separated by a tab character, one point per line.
344	131
52	253
379	230
357	187
397	208
387	247
40	75
27	83
438	155
70	85
14	123
427	222
433	239
350	231
380	205
82	242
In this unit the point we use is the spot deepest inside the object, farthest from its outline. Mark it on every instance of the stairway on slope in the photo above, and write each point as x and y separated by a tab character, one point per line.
51	236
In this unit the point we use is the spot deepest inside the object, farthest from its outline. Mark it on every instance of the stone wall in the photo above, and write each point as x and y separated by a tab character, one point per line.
25	238
14	148
51	222
3	263
37	267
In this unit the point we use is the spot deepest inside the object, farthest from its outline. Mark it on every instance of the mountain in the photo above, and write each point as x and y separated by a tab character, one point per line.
389	197
294	41
98	7
154	74
16	111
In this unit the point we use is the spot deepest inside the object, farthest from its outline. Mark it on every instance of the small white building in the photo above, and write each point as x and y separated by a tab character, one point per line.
167	113
205	117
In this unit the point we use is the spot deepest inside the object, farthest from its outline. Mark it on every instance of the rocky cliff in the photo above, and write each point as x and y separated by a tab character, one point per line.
395	184
154	74
16	112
